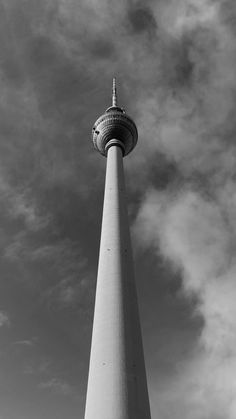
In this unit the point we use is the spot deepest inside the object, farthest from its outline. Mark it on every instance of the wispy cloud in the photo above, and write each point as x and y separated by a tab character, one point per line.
39	367
4	319
58	386
70	278
26	342
18	205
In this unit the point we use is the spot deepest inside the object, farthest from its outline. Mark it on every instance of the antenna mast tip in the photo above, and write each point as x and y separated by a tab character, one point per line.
114	92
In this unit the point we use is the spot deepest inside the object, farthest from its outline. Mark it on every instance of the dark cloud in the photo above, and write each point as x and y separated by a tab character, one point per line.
57	79
228	13
177	65
164	173
12	70
101	48
141	20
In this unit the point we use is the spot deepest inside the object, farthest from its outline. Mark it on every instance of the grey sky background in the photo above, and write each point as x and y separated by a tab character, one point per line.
175	64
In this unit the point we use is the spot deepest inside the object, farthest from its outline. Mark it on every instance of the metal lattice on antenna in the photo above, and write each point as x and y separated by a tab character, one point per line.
114	93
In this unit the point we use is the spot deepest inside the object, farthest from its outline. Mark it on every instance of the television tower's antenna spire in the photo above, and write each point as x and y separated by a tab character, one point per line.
114	93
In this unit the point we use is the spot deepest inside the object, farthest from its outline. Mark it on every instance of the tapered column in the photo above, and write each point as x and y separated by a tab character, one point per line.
117	387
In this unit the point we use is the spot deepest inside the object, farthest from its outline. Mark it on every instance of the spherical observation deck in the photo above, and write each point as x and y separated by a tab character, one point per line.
114	127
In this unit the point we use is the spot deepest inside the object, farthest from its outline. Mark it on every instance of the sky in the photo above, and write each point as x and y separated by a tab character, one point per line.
175	63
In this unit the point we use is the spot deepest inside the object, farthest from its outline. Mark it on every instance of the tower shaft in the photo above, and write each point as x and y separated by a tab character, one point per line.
117	387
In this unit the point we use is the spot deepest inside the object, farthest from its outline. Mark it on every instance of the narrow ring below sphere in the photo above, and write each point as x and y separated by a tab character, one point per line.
114	124
112	142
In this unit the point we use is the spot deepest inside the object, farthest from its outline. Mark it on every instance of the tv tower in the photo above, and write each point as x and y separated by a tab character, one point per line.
117	385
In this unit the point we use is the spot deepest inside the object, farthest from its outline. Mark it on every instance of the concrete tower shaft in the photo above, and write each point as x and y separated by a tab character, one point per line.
117	385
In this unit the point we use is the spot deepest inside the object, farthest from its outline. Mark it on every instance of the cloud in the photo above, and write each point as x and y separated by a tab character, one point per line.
19	205
63	277
58	386
26	342
4	319
142	20
193	234
189	14
189	221
38	367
